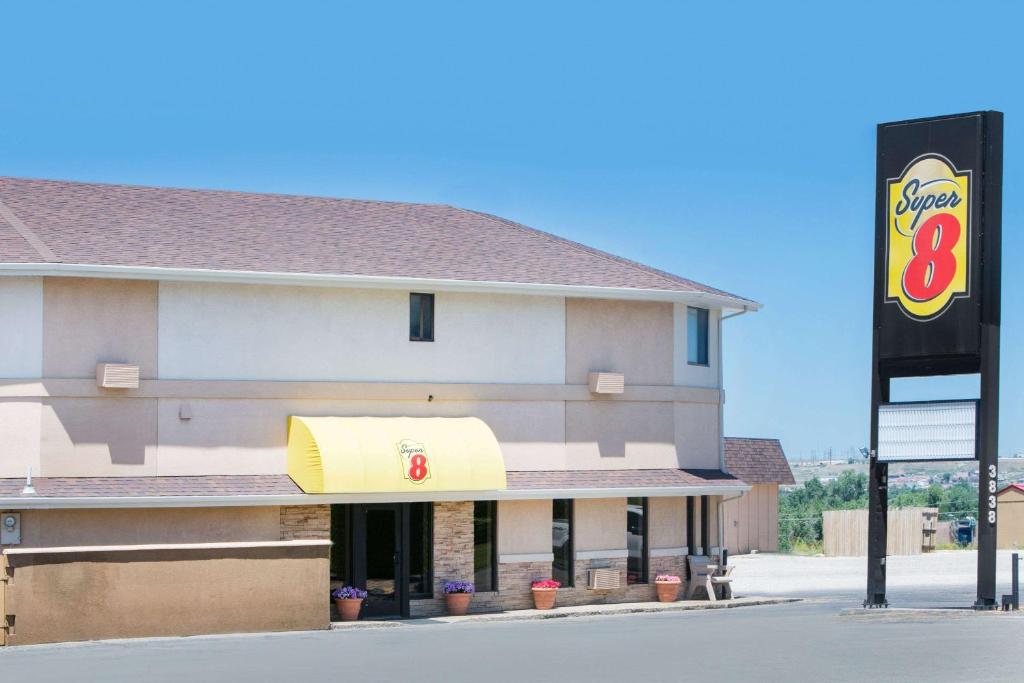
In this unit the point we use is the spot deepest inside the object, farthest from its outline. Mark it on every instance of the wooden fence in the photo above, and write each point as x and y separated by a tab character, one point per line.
911	531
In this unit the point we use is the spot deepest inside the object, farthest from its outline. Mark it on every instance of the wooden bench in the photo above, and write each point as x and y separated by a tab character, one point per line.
704	573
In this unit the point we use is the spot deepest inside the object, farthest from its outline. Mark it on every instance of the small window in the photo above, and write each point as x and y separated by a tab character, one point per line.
697	336
562	569
636	540
485	545
421	317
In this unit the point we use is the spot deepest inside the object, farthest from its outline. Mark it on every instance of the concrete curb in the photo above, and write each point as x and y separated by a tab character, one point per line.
895	613
570	612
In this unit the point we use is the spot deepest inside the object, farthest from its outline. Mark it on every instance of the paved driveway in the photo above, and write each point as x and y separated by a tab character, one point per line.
796	642
939	579
816	640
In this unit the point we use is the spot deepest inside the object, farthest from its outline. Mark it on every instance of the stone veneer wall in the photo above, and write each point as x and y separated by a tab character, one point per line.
305	522
453	560
453	555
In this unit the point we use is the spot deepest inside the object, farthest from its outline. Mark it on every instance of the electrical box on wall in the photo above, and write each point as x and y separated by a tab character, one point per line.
10	528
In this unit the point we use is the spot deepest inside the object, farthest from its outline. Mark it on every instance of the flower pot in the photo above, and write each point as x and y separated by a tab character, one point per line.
544	598
667	592
349	609
458	603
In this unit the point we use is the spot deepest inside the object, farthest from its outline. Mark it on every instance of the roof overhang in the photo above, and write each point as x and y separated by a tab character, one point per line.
703	299
86	503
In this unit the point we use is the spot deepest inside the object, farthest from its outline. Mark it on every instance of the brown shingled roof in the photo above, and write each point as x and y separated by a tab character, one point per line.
757	461
117	487
282	485
599	479
122	225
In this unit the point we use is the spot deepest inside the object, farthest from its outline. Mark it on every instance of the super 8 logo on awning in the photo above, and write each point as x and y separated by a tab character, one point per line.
415	463
928	237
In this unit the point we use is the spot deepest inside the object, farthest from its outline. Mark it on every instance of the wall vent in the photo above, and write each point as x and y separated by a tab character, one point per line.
117	376
603	579
607	382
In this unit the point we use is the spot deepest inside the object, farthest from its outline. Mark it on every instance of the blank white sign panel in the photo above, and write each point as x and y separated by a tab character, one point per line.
927	431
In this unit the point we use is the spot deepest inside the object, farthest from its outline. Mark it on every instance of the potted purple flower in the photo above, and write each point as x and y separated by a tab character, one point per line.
457	595
349	600
667	586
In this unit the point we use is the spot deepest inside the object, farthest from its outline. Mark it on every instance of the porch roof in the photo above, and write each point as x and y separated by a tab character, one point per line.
279	489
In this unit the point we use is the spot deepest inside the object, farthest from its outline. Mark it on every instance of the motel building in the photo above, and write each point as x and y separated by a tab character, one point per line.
229	403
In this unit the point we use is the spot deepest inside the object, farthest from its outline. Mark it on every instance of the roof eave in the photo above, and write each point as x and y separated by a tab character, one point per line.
706	299
104	502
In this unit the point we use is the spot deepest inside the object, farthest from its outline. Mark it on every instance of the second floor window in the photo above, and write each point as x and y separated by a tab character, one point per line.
697	336
421	317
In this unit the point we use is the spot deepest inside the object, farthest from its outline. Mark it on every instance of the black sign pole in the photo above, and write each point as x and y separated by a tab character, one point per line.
878	472
878	503
988	427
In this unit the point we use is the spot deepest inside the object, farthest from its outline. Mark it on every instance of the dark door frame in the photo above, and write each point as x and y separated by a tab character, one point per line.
401	556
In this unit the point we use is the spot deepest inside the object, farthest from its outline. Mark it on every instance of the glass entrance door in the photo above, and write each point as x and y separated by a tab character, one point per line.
377	558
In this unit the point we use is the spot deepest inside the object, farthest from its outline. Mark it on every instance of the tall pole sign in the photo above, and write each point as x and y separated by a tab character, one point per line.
938	206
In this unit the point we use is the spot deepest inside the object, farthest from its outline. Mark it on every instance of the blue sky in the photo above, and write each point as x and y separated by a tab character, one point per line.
733	144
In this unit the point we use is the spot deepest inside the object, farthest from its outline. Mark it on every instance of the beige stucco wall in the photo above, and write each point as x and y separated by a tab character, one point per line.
524	527
1010	527
600	524
82	437
667	525
21	320
613	435
88	321
217	331
173	592
60	424
19	436
631	337
697	435
56	528
239	436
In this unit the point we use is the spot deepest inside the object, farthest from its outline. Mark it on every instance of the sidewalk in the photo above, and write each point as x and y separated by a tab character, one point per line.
566	612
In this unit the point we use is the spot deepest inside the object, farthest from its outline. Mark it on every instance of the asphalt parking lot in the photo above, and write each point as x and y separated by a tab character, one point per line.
938	579
824	638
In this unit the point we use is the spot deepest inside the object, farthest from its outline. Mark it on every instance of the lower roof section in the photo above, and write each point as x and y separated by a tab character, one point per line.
279	489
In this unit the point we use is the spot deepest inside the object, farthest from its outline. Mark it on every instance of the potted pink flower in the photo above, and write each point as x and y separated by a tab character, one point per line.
457	595
667	586
544	593
349	601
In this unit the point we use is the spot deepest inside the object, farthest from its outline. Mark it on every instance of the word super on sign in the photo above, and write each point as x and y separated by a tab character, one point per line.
928	238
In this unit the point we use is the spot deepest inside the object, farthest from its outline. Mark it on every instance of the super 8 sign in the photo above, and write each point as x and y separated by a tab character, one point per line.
414	460
929	270
927	239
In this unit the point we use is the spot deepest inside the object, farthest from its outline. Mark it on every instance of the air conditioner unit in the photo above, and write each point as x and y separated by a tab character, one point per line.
603	579
606	382
117	376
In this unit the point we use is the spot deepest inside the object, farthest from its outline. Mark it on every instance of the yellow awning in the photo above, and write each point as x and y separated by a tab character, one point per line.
393	454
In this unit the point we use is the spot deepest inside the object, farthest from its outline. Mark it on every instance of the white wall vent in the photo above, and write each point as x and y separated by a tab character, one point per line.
117	376
603	579
607	382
